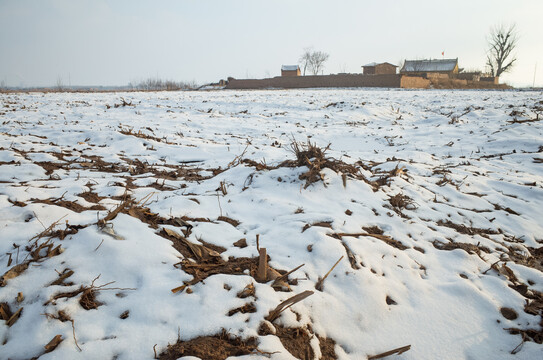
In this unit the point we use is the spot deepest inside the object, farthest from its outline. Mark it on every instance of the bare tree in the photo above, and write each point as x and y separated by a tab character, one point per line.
59	84
305	59
313	60
316	64
501	43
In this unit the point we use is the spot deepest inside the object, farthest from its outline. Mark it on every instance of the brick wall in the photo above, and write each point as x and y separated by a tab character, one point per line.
346	80
414	82
385	69
290	72
490	79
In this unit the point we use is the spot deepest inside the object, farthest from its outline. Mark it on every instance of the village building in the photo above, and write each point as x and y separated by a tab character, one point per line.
290	70
379	69
427	67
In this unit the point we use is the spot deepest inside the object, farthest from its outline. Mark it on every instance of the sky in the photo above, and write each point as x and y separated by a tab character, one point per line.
99	42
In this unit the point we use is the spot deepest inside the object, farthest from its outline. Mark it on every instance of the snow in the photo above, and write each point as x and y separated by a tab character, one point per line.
289	67
466	167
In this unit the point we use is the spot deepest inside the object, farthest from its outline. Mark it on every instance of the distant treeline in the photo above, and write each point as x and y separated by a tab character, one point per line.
160	84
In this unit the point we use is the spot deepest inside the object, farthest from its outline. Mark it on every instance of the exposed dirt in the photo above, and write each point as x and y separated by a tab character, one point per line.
216	347
463	229
91	197
453	245
70	205
297	341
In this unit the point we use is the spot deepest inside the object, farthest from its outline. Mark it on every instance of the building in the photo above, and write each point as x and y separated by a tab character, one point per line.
425	67
290	70
378	69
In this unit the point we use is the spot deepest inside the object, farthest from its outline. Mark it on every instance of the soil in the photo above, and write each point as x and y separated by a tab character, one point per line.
216	347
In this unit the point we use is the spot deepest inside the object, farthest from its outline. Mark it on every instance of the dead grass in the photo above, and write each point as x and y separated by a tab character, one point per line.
215	347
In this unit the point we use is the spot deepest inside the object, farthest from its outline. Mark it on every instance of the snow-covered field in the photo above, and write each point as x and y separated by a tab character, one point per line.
433	200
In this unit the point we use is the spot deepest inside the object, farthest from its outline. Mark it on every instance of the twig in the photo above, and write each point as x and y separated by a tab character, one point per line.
319	283
73	332
398	351
44	232
219	201
285	275
62	277
37	218
237	159
491	267
99	245
154	349
519	346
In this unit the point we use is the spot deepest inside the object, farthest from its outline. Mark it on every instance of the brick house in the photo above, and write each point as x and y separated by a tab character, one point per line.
290	70
429	67
378	69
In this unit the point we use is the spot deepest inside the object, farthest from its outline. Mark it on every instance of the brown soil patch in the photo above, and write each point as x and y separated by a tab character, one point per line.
231	221
241	243
400	202
327	346
50	167
247	308
216	347
17	203
469	248
508	313
377	235
88	300
91	197
201	271
534	261
373	230
463	229
96	163
296	341
324	224
70	205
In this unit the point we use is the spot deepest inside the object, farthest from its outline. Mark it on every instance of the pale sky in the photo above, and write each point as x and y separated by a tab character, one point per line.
99	42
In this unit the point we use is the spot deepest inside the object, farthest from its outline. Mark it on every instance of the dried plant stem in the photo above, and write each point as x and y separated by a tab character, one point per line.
285	275
320	282
262	266
73	332
397	351
274	314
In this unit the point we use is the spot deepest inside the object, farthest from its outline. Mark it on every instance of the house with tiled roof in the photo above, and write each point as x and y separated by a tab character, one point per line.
437	66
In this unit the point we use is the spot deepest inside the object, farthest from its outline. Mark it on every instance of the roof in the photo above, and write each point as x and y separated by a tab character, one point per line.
289	67
375	64
429	65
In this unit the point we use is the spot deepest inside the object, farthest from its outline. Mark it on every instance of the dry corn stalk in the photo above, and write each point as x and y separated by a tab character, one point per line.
274	314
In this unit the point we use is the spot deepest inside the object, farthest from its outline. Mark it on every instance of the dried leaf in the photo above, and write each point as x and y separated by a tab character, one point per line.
109	230
249	290
52	345
5	311
274	314
13	272
201	252
13	319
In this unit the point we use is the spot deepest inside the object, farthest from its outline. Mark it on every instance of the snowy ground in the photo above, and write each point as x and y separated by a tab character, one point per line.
439	226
